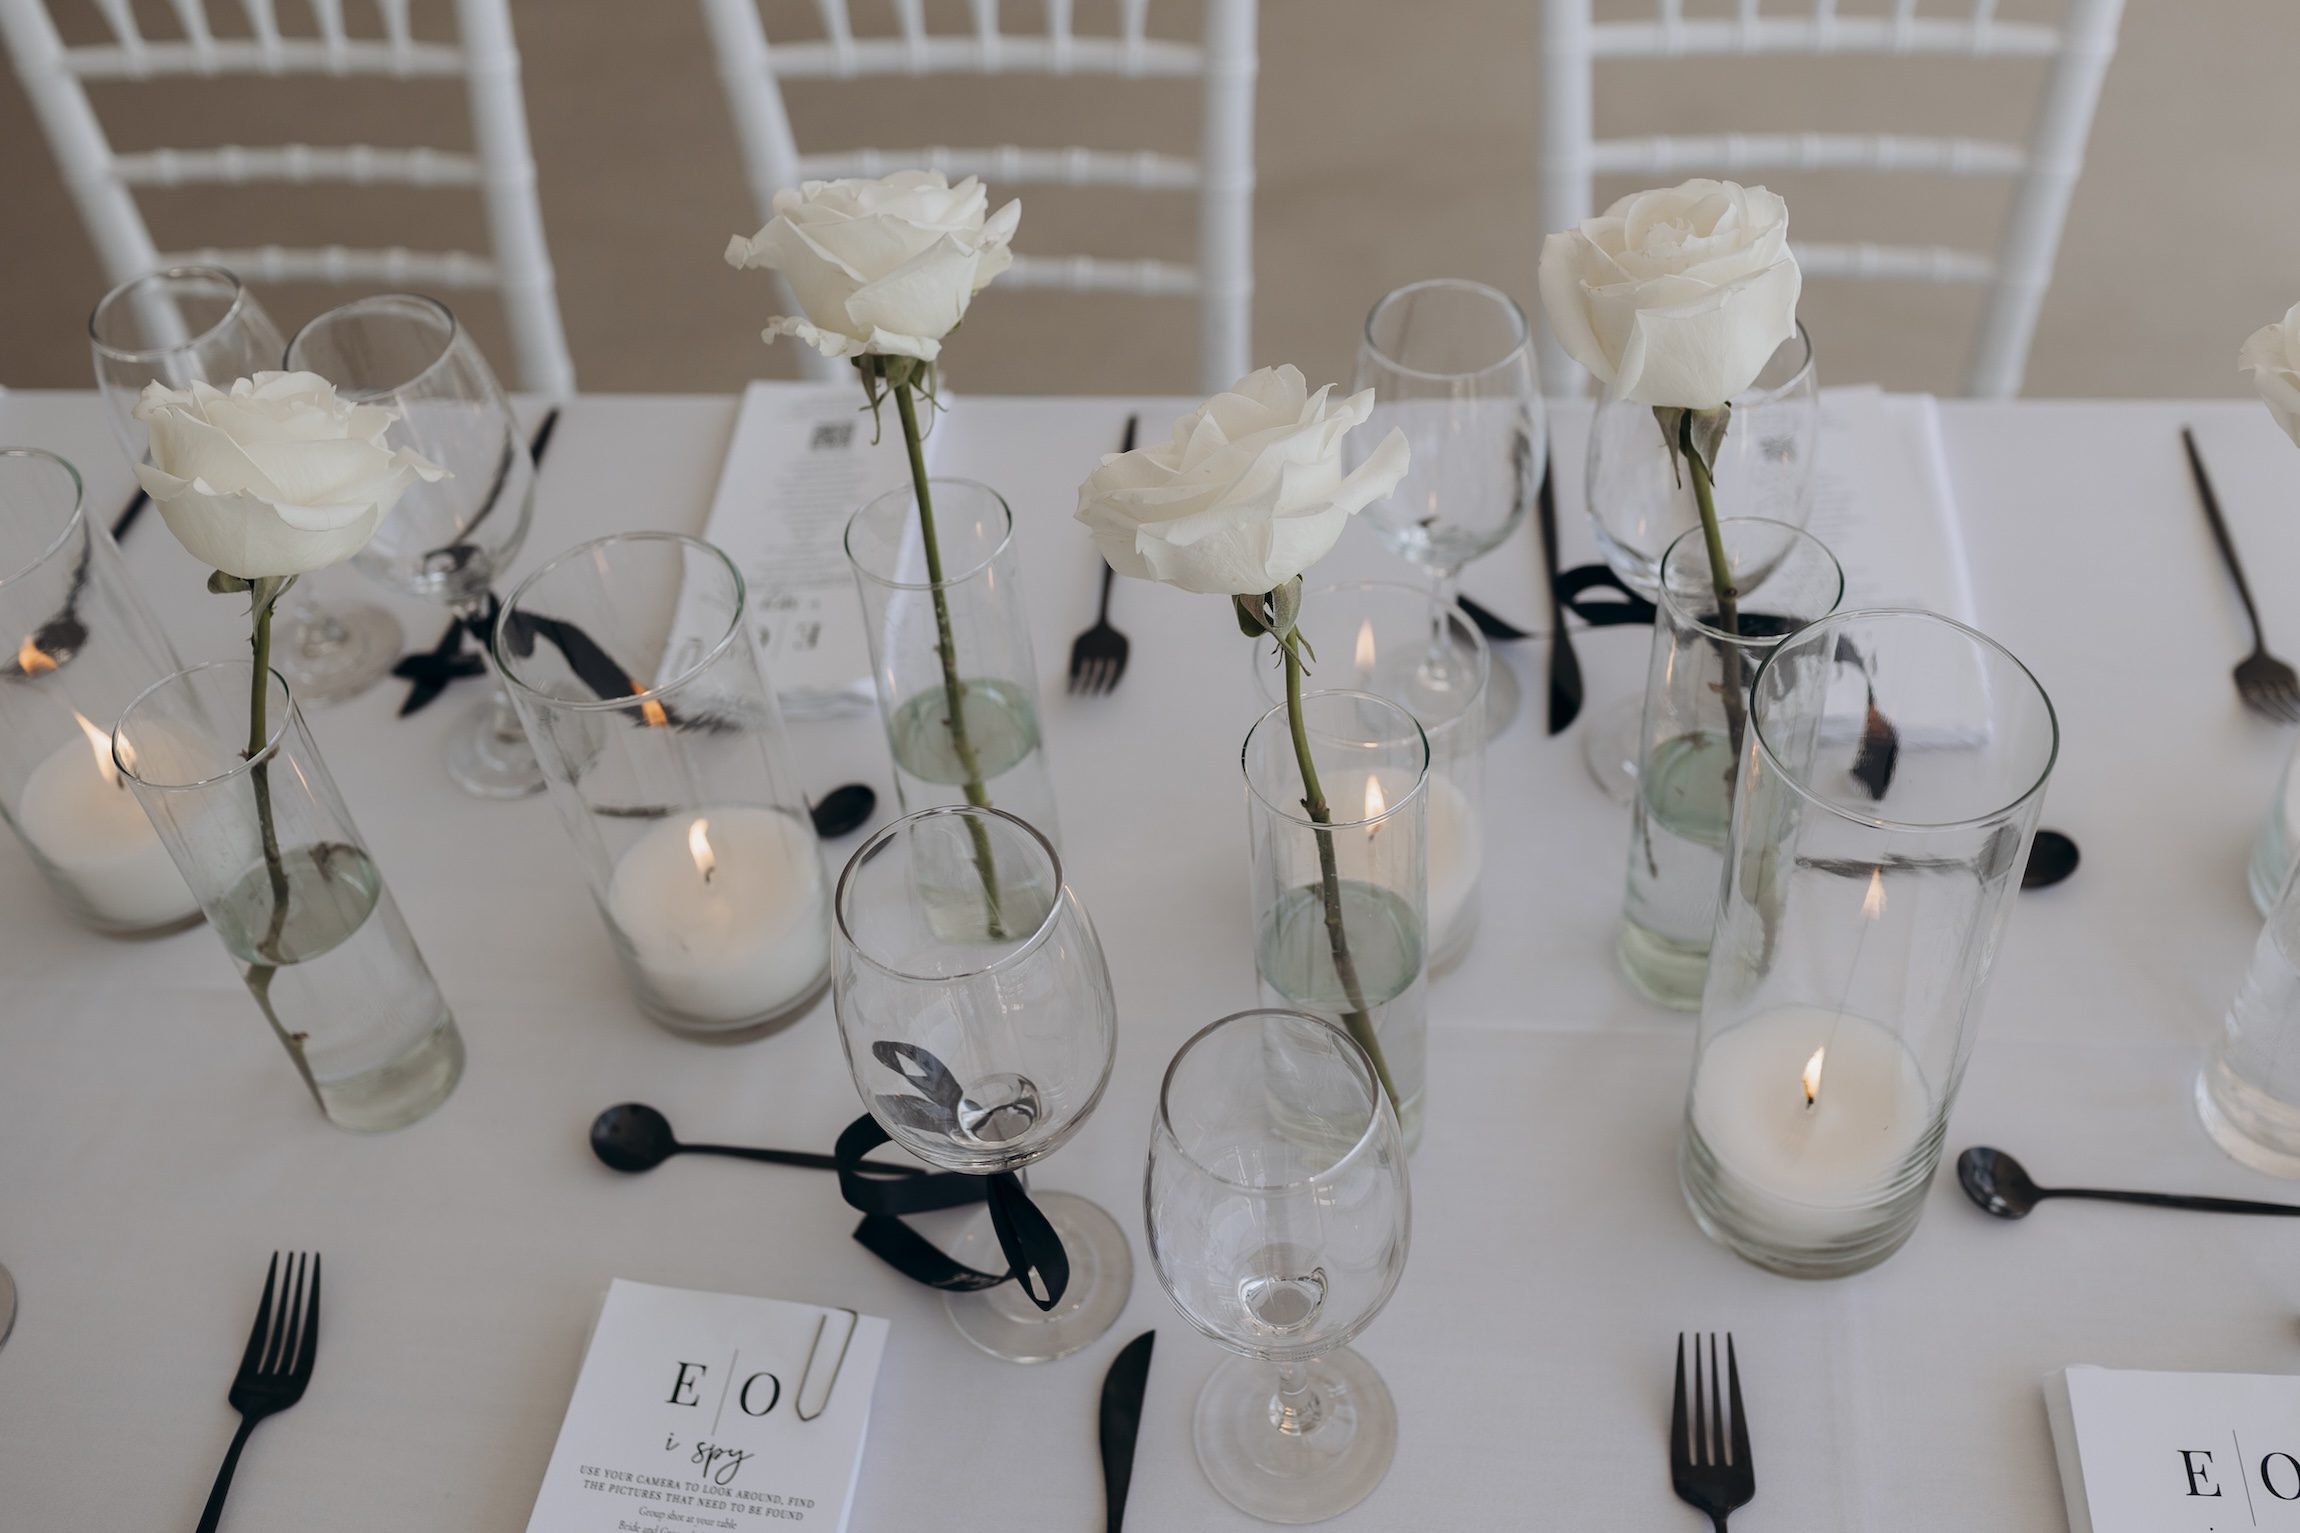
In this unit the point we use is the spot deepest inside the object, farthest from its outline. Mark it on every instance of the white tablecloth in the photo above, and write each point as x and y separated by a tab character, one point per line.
154	1146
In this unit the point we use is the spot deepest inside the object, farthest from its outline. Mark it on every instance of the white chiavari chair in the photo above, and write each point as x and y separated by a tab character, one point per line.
1222	174
104	183
2045	169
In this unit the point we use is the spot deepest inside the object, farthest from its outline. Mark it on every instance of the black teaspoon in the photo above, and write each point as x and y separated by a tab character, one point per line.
2051	858
2001	1186
631	1136
843	809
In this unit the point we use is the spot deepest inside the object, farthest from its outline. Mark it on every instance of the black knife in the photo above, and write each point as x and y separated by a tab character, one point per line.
1564	666
1122	1389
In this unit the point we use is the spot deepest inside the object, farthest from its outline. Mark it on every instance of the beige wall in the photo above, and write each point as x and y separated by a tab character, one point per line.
1397	140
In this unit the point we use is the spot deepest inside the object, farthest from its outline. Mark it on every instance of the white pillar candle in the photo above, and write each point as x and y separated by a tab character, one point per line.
1457	855
79	816
1808	1173
723	912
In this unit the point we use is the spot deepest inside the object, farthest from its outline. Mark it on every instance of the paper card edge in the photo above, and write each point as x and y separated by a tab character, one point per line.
2060	1415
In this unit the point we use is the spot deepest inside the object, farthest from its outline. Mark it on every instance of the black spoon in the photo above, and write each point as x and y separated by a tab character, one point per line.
843	809
1999	1185
631	1136
2051	858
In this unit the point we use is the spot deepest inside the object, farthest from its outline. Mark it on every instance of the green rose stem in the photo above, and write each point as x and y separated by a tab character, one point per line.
953	689
1359	1018
267	593
1697	436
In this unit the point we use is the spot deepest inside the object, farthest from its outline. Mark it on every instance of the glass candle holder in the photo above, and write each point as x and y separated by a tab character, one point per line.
665	757
2248	1093
1377	636
1341	908
1696	701
80	646
264	840
1895	770
997	757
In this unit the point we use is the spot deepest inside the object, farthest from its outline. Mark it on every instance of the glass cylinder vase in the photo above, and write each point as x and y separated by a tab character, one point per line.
1895	770
1377	636
2248	1093
665	757
1341	906
264	840
957	682
80	646
1696	700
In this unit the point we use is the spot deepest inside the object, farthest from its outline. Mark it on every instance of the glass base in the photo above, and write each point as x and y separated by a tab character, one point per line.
1502	696
338	651
1795	1239
402	1092
1664	971
488	754
746	1031
1609	745
1304	1464
1005	1324
2252	1128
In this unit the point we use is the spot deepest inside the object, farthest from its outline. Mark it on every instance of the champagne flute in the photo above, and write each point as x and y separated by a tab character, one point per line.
1451	365
198	323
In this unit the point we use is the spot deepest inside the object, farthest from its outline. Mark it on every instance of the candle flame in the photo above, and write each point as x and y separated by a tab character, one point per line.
1812	1077
699	847
1366	647
1376	805
101	744
653	713
1873	903
31	659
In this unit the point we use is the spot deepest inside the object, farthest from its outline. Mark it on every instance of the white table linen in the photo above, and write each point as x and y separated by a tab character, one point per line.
156	1147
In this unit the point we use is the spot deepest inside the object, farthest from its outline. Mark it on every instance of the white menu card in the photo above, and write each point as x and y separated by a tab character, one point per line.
2176	1452
712	1411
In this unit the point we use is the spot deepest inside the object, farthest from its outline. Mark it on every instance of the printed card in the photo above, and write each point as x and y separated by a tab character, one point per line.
2177	1452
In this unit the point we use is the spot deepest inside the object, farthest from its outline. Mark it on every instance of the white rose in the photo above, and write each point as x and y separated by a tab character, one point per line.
1248	494
881	267
2272	357
276	477
1675	297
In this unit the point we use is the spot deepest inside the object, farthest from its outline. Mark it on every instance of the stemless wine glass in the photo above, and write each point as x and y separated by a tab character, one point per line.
1451	366
446	541
1640	502
198	323
968	970
1279	1217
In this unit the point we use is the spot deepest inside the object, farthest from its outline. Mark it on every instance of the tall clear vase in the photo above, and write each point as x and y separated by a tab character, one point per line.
265	842
968	634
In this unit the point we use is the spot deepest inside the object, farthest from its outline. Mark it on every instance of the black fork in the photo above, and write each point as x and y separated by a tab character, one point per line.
277	1364
1709	1455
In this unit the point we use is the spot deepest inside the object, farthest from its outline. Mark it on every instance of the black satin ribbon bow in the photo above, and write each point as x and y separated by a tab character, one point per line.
431	670
1574	583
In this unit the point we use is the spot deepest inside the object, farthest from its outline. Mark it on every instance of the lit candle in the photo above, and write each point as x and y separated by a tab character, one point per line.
83	820
723	911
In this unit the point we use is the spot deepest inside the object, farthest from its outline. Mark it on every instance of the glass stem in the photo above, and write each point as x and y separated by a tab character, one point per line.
1295	1409
1359	1017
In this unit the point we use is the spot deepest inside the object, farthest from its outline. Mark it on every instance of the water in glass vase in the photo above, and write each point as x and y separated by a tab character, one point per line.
1001	725
1295	955
342	981
1676	856
2248	1093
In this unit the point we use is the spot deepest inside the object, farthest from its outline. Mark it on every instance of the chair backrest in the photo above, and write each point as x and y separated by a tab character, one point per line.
103	183
1222	173
2046	168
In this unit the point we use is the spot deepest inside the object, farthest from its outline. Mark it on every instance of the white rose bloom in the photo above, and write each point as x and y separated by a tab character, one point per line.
1675	297
2272	357
881	267
277	476
1248	494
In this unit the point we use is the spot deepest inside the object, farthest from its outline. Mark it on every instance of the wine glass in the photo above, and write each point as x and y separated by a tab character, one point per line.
199	322
1279	1218
445	541
1451	366
1640	503
967	969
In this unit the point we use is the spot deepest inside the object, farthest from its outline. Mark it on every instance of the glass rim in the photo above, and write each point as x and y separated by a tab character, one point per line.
272	742
948	581
884	836
78	514
232	311
1364	822
1740	640
1509	305
709	657
1351	1050
2010	806
1457	621
381	301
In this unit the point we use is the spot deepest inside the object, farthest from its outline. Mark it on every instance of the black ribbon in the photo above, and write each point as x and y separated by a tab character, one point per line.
430	671
1572	586
1031	1247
